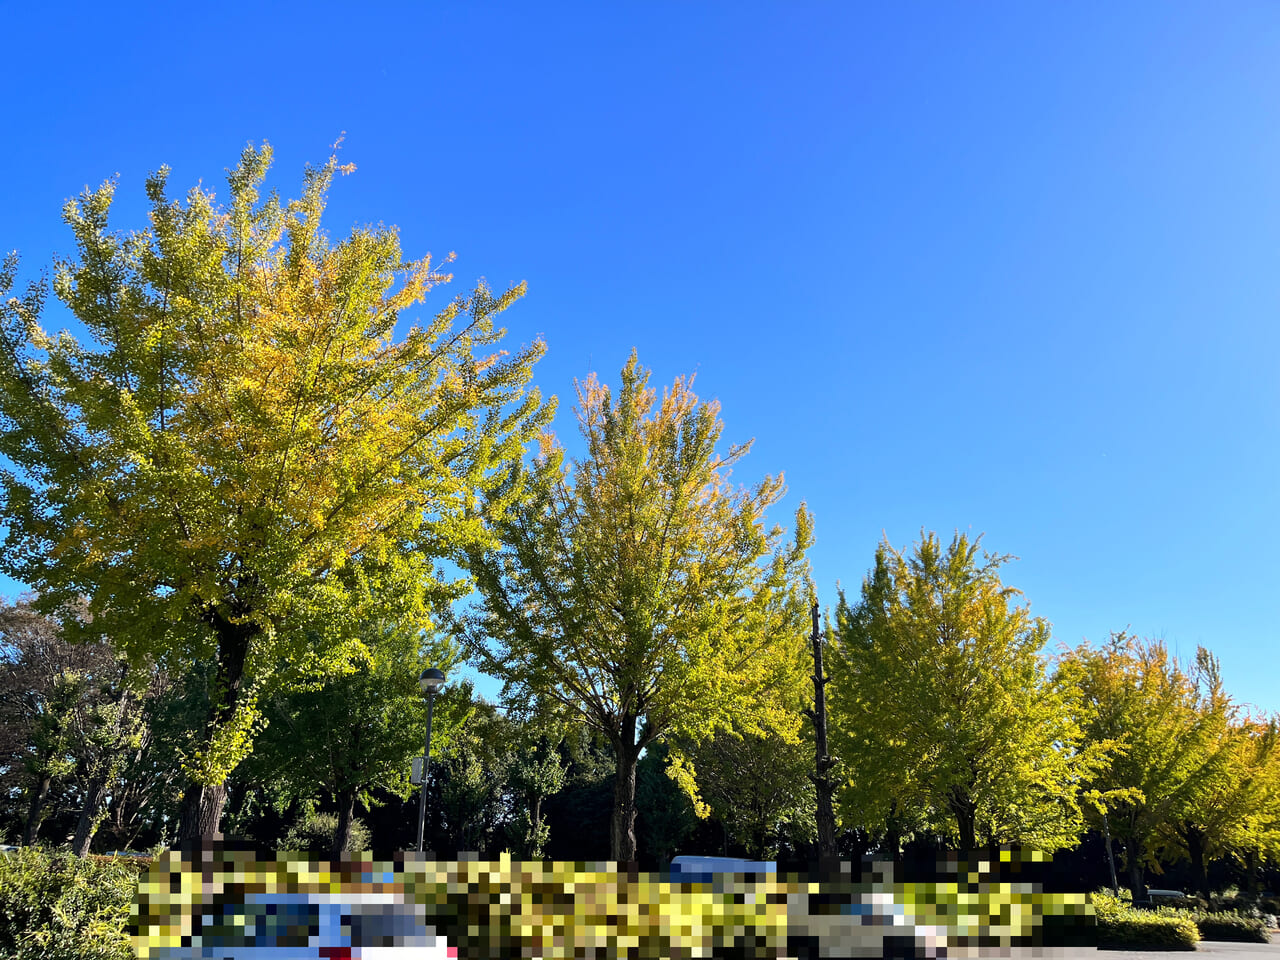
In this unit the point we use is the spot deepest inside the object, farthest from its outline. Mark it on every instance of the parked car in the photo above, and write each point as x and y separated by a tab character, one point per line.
822	925
292	926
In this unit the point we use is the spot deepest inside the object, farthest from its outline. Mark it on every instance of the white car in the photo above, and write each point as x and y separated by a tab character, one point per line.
821	925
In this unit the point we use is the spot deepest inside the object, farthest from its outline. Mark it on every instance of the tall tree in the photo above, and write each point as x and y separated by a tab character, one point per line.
640	590
245	455
1236	803
1169	728
939	688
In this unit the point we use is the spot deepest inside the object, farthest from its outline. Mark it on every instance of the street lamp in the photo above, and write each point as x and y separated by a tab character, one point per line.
430	680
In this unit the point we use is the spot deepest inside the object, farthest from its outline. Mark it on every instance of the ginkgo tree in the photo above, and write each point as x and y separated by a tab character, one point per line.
1170	727
640	590
245	454
942	707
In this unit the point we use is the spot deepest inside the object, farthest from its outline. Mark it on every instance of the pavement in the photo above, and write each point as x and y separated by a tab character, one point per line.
1211	948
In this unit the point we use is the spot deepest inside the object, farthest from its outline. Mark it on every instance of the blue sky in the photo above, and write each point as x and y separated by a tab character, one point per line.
996	267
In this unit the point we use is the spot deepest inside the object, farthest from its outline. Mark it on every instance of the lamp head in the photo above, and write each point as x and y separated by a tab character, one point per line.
430	680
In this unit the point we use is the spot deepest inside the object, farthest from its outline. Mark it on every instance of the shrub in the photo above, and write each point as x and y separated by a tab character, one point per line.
1232	926
313	832
59	907
1121	926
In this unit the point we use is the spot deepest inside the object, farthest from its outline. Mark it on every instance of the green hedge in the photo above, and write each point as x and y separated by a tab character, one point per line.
1122	926
59	907
1142	929
1232	926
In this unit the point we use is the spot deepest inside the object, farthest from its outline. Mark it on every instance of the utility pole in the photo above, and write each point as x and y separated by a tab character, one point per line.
824	786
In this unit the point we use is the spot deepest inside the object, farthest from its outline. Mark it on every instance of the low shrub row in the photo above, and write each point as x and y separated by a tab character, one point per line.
1231	926
1121	926
59	907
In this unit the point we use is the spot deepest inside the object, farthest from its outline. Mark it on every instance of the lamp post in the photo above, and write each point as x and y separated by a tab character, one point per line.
430	680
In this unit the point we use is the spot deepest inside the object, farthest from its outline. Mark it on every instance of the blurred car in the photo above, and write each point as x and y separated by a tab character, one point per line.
688	869
293	926
822	925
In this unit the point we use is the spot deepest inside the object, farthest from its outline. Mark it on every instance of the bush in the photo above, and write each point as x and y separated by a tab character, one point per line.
313	832
59	907
1122	926
1232	926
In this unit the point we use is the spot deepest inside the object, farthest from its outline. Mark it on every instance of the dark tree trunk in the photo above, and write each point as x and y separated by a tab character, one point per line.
90	816
35	811
346	811
202	811
1133	863
966	814
202	803
622	840
1195	838
893	833
823	784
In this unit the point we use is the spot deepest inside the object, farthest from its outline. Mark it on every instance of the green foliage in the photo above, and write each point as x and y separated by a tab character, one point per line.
940	705
358	731
61	907
1168	728
1231	926
243	458
665	817
759	787
638	591
313	832
1121	926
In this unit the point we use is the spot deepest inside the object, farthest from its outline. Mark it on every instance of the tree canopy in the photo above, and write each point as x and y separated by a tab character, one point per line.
638	589
246	454
939	689
1169	727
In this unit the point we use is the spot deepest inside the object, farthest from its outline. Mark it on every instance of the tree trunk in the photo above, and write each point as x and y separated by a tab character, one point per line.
35	811
90	816
823	784
622	840
892	833
346	811
202	803
1195	853
1133	858
202	811
966	813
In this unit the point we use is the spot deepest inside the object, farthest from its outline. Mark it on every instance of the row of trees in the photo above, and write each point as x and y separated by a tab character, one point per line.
951	720
253	508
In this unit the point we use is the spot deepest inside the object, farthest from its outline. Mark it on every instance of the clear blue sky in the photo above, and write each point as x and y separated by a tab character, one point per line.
1003	267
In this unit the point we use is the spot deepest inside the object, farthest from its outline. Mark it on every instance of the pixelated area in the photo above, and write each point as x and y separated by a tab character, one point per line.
220	903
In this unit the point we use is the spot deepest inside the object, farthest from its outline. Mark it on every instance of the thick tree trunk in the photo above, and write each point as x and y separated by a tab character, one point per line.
346	811
622	841
202	804
202	811
966	814
1133	862
1195	853
622	844
35	810
89	816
